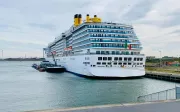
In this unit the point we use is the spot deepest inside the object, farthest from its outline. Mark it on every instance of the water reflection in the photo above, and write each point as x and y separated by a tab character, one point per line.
23	88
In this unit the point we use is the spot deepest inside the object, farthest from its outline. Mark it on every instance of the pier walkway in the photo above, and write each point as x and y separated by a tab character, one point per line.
161	106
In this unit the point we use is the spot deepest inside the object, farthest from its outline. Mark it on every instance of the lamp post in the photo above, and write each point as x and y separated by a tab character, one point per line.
43	53
160	59
2	53
179	64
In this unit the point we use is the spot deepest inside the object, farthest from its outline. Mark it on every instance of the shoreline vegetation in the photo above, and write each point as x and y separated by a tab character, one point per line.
170	70
163	65
22	59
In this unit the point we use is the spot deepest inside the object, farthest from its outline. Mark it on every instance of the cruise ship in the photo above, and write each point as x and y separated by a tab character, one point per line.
93	48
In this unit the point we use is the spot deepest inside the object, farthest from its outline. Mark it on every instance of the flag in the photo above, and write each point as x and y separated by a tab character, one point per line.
125	44
129	46
54	52
68	48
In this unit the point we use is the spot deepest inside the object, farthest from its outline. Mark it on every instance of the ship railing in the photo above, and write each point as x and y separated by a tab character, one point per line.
117	54
101	54
169	94
115	41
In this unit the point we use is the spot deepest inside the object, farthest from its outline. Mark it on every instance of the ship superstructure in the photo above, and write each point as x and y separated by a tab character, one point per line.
98	49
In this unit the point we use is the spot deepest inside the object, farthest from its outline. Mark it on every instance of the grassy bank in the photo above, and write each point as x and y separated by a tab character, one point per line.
167	69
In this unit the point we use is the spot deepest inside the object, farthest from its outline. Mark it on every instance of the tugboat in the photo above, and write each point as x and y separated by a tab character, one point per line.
49	67
55	68
38	67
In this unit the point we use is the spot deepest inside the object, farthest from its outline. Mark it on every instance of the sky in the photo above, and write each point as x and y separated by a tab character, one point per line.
26	27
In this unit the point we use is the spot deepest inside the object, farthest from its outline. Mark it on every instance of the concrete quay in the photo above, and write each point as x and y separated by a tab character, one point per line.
160	106
163	76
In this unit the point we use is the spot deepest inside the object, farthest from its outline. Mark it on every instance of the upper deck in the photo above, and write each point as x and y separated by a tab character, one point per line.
96	36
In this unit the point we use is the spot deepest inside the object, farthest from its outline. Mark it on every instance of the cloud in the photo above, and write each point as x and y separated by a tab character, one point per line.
165	13
45	26
175	32
139	10
31	25
30	49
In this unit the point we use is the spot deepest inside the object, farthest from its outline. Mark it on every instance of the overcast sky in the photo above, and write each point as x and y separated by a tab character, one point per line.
26	26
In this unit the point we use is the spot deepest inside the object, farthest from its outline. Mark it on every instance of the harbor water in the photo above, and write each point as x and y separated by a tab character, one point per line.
22	88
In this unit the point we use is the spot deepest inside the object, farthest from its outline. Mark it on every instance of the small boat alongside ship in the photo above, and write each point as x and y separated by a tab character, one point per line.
49	67
46	66
37	67
55	69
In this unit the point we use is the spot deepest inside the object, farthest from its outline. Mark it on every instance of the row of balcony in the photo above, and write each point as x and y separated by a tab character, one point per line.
119	41
98	46
111	31
108	36
108	27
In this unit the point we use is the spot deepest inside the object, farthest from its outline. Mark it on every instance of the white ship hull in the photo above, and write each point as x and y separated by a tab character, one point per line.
86	65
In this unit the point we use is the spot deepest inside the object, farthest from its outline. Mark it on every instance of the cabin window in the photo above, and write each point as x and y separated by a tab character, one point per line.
98	63
134	59
125	59
113	52
107	52
109	58
104	58
117	52
137	59
86	58
120	63
99	58
141	63
102	52
103	63
129	59
141	59
137	63
115	58
120	58
97	52
109	63
115	63
129	63
86	62
124	63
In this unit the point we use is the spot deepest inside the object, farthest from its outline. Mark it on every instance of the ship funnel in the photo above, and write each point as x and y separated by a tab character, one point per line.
76	23
87	18
96	19
79	19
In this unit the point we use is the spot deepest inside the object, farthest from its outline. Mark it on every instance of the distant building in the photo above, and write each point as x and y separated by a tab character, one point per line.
150	57
167	57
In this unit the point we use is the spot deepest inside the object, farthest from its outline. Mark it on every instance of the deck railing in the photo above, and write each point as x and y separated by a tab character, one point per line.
169	94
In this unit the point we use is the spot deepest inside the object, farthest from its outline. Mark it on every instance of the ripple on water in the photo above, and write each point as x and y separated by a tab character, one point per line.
24	88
